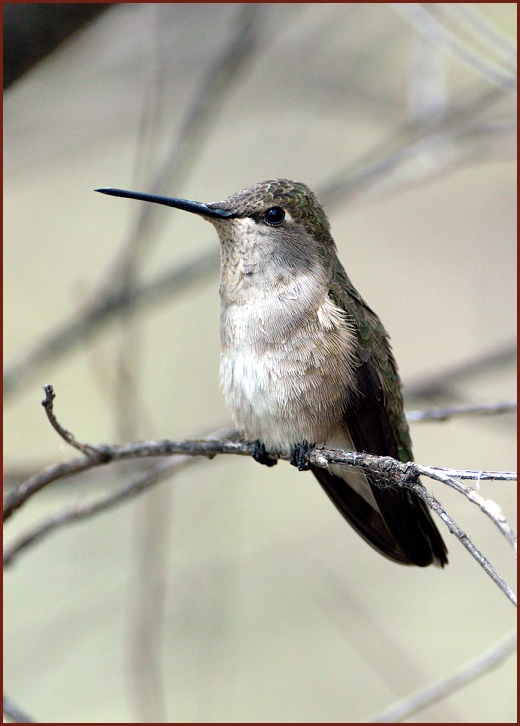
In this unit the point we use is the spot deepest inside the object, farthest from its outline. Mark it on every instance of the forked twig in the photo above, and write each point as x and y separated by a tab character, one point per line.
93	452
390	471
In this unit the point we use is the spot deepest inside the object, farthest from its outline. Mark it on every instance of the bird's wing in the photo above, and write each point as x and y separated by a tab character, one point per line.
393	520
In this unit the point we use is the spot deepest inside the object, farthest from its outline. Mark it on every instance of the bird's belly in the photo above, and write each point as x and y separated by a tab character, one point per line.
281	400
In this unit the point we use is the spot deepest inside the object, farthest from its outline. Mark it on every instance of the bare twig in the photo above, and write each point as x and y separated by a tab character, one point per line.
446	476
394	472
476	476
87	449
399	473
15	499
146	480
443	414
15	476
389	470
432	502
14	713
488	506
483	663
383	465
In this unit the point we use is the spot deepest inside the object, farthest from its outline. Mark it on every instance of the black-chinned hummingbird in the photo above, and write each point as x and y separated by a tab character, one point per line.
305	361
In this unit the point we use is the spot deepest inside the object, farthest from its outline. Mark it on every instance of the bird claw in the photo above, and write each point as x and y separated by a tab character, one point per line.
261	454
300	455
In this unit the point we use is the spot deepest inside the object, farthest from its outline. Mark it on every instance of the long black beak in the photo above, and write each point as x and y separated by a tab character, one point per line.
185	204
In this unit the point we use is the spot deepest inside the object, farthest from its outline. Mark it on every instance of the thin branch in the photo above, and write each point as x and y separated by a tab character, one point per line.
389	470
48	405
146	480
393	470
488	506
15	499
400	473
477	476
14	713
443	414
454	528
383	465
390	473
483	663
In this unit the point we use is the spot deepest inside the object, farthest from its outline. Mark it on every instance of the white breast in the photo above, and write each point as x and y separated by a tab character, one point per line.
285	373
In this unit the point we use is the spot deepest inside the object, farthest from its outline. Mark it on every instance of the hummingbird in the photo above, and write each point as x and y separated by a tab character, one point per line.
306	363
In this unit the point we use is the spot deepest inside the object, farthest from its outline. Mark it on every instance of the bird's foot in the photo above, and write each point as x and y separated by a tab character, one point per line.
261	454
300	455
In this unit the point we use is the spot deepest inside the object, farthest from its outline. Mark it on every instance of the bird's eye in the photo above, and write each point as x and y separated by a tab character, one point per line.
274	216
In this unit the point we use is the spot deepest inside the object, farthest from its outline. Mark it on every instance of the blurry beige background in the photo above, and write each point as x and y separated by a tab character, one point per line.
234	592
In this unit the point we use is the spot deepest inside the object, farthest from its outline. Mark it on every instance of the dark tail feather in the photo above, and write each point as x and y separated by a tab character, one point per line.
401	530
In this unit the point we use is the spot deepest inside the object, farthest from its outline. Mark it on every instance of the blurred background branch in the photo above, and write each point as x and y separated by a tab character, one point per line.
490	658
